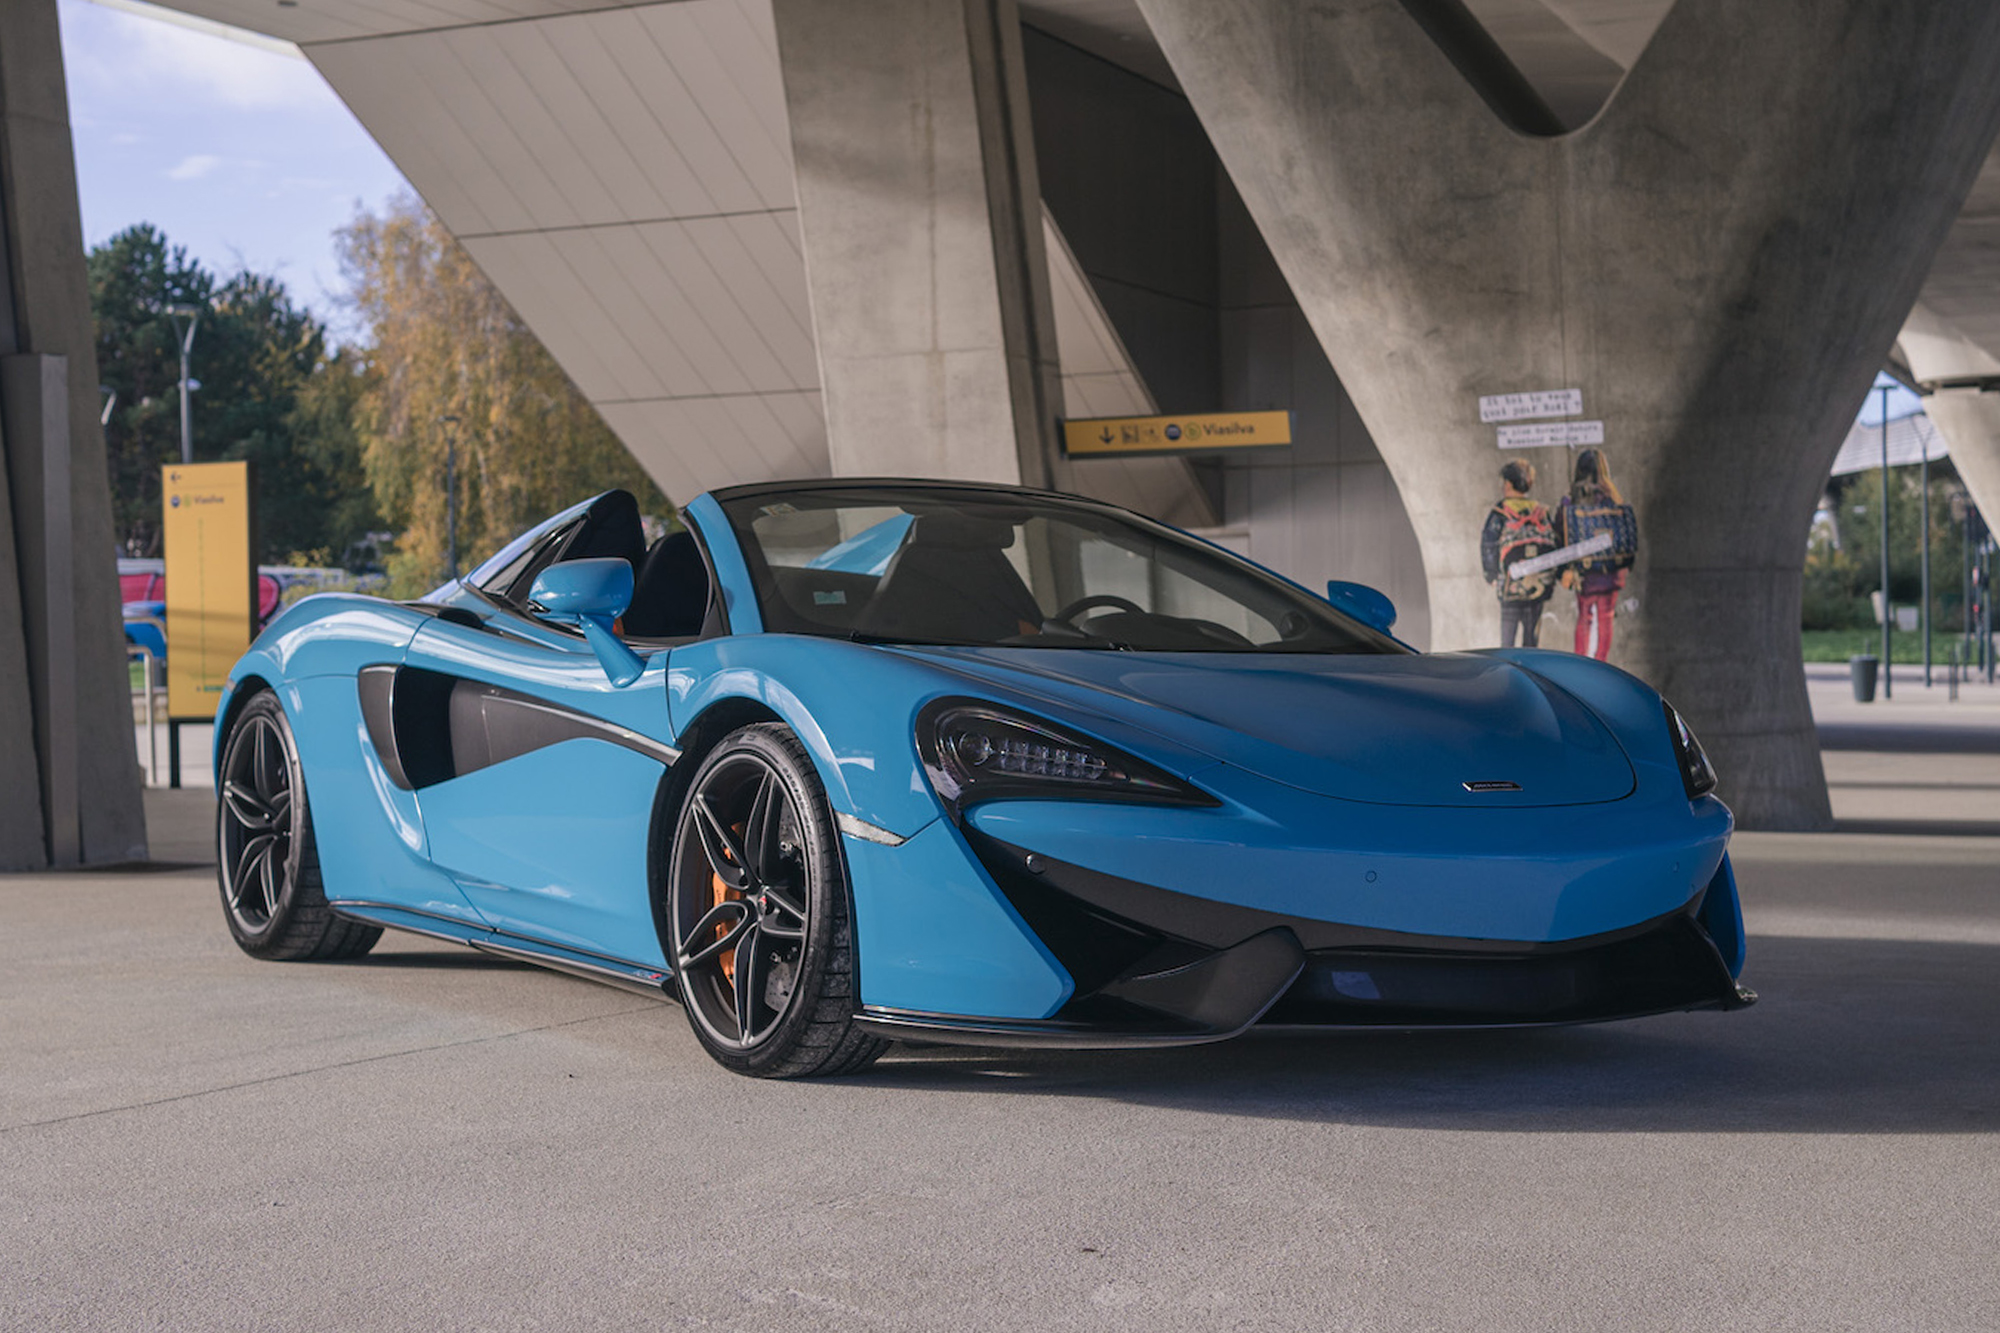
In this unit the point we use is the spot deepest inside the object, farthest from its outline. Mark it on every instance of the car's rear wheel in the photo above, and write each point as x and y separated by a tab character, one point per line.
760	934
266	859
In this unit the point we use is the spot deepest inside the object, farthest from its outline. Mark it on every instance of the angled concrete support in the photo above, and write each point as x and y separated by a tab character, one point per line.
1967	417
62	653
922	224
1970	423
1719	261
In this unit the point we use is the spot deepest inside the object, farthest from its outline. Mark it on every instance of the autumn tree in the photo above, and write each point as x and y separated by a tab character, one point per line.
270	392
451	366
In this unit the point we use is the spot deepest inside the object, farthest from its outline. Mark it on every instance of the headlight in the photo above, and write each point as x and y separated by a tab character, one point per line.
1696	775
975	751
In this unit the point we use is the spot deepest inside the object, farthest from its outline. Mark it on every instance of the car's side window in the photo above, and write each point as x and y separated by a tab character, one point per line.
510	583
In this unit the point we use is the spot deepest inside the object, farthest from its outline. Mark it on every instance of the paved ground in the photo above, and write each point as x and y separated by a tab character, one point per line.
430	1139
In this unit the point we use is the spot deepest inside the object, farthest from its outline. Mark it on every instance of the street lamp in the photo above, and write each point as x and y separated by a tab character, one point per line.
192	313
450	422
1888	612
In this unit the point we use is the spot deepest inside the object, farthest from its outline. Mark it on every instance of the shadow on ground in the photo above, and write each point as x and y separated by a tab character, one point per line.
1851	1037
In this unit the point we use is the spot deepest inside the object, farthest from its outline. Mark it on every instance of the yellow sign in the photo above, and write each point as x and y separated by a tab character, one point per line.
211	581
1200	433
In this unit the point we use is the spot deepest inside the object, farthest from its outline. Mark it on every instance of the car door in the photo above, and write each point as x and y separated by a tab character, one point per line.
534	774
540	795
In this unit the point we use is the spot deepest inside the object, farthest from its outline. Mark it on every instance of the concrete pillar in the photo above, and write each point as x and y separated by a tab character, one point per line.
62	657
922	226
1719	261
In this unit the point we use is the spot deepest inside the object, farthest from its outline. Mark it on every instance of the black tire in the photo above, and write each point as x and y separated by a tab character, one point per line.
266	862
757	890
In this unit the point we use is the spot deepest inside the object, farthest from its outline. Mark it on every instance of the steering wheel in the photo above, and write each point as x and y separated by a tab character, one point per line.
1069	613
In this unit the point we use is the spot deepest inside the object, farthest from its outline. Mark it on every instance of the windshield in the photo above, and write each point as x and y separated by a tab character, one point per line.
995	568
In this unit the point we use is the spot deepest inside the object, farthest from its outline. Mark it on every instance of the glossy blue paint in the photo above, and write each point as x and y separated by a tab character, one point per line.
370	835
553	844
732	576
1380	729
1370	606
1341	782
853	707
578	588
333	634
938	937
524	654
1722	917
1534	875
590	595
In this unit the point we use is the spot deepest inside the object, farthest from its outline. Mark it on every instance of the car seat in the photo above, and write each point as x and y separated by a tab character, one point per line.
949	580
670	595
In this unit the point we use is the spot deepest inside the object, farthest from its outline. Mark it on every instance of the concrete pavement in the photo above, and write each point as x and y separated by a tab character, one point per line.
431	1139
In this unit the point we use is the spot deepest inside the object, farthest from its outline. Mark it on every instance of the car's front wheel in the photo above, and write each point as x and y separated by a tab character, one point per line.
760	935
266	858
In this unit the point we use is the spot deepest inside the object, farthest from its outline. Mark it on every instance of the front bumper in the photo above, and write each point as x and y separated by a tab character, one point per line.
1152	966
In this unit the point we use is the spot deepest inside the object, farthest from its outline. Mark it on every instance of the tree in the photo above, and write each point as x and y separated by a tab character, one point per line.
451	366
1839	579
270	393
134	277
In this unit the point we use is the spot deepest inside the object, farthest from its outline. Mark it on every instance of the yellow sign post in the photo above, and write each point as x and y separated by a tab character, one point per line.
211	582
1203	432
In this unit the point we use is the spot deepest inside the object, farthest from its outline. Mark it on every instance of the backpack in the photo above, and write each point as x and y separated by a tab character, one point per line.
1616	519
1525	532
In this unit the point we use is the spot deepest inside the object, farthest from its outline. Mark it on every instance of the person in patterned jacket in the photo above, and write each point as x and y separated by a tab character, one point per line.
1517	528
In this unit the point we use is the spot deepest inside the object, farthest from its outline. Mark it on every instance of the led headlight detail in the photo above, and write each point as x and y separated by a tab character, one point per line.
1696	774
976	751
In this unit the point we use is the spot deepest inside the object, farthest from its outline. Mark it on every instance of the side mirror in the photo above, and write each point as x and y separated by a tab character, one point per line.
577	588
591	594
1365	604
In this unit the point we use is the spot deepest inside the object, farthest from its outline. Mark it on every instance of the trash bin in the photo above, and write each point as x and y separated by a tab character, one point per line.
1862	671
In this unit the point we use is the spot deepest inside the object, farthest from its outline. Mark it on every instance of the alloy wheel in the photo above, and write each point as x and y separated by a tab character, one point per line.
257	822
742	902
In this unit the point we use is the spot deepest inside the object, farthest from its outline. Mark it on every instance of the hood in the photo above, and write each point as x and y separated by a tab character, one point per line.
1391	730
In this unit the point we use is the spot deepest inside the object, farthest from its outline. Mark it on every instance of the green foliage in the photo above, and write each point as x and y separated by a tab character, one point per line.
1838	581
1828	645
133	278
270	393
450	366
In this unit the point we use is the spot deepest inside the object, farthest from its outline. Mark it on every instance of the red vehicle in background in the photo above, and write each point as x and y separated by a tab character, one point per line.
142	588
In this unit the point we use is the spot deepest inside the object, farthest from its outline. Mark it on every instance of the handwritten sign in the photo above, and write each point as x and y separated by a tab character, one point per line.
1527	406
1552	435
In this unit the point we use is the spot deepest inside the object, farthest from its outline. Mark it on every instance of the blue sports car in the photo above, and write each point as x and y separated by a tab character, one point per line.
842	762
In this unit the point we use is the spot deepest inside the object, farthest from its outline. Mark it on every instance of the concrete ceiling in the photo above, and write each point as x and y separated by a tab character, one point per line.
551	198
1575	52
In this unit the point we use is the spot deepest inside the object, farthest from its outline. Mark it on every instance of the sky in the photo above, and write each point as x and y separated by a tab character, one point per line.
244	156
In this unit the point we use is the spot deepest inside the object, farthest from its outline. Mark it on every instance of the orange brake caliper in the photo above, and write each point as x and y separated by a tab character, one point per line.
723	893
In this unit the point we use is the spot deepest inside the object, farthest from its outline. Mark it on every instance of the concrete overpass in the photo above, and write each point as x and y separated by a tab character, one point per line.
795	237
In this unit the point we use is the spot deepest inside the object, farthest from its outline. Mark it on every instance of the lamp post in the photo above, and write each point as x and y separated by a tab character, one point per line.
192	313
450	421
1924	487
1888	612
